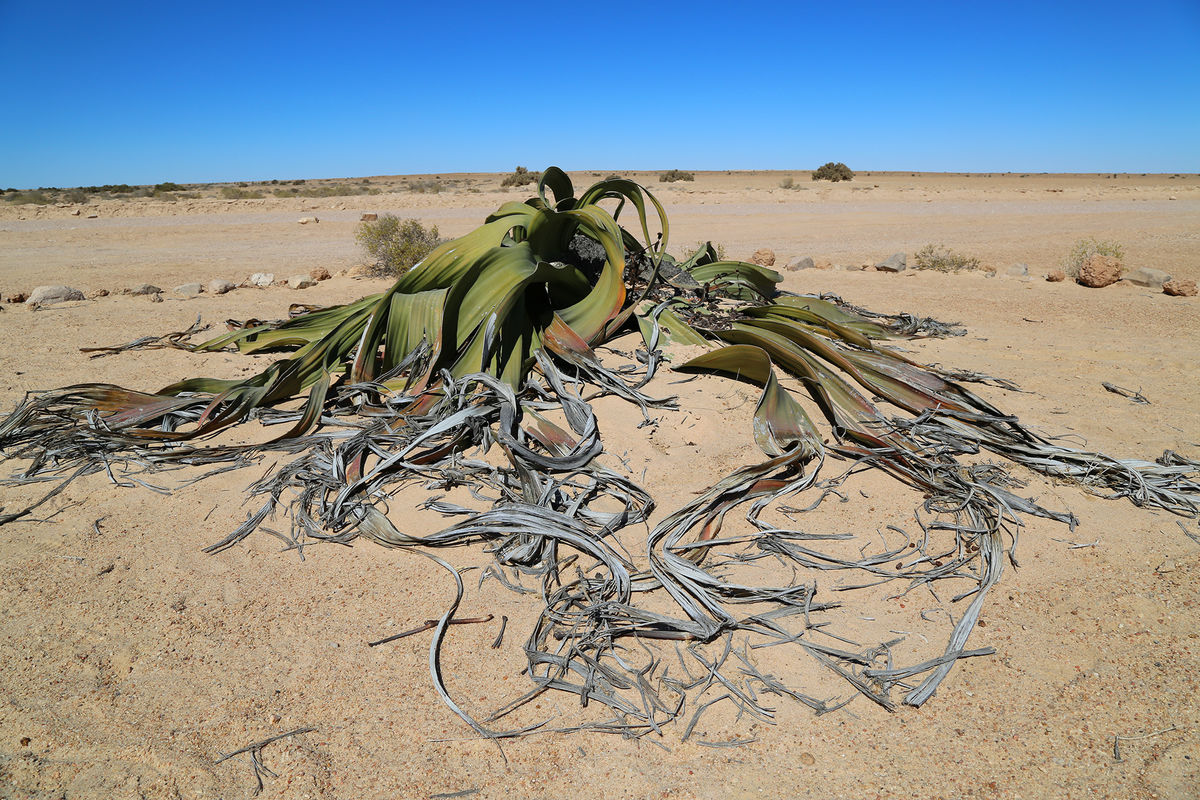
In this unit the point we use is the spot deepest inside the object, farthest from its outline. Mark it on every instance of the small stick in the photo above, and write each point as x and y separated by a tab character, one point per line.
1118	739
449	795
430	624
263	743
1136	397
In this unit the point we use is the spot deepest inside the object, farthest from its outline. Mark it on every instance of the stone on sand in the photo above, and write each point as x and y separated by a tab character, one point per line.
220	286
1149	277
1180	287
764	257
45	295
1099	271
260	279
189	289
319	274
802	263
143	288
300	282
896	262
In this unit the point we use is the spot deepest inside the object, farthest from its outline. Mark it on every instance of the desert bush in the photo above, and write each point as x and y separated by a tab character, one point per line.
521	177
943	259
1085	249
168	186
672	175
237	193
430	186
396	245
787	183
30	197
74	196
333	190
833	171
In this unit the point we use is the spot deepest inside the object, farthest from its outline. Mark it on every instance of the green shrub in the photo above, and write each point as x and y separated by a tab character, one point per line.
31	197
333	190
235	193
521	177
672	175
1085	249
75	196
396	245
833	172
168	186
943	259
430	186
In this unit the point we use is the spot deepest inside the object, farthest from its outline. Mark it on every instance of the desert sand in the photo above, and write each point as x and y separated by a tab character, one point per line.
130	661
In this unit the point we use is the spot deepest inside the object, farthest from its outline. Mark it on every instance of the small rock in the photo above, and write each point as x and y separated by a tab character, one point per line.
896	262
319	274
807	759
1099	271
300	282
1017	271
306	220
76	213
93	216
1180	288
1145	276
850	268
92	295
45	295
1056	276
156	298
764	257
368	217
802	263
220	286
824	263
143	288
260	279
361	271
17	297
991	273
189	289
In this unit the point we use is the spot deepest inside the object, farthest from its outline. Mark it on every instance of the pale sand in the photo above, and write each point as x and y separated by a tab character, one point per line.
131	661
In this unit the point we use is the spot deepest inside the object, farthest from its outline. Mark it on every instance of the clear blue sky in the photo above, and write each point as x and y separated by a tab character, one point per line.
141	92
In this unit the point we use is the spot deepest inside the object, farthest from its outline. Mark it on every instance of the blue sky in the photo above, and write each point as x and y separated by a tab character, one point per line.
132	92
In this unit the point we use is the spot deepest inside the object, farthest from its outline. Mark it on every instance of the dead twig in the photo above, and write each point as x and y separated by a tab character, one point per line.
1136	397
255	751
430	624
1117	739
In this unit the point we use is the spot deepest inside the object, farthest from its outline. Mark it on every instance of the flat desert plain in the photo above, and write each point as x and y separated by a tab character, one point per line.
130	661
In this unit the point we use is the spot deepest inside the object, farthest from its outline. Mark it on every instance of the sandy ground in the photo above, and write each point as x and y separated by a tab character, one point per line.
130	661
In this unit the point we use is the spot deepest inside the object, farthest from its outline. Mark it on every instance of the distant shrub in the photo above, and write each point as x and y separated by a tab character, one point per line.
672	175
787	183
168	186
31	197
333	190
1085	249
943	259
613	177
833	172
429	186
75	196
521	177
236	193
396	245
286	192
